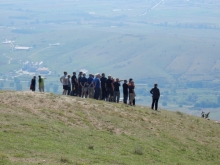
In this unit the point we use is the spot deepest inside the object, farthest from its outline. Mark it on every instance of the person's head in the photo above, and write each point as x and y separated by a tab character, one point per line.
74	73
109	76
125	81
130	79
34	77
117	79
68	76
155	85
103	74
65	73
84	75
97	75
39	78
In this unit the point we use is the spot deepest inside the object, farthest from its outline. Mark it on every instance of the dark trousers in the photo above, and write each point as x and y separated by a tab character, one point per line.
69	90
154	102
125	98
79	90
104	93
74	89
97	92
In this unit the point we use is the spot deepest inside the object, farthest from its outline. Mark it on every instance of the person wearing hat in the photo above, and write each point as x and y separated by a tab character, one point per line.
155	97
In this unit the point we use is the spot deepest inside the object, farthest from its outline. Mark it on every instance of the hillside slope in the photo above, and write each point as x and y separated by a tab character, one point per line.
39	128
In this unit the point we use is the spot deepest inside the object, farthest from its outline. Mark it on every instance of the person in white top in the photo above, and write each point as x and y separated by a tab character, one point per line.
64	81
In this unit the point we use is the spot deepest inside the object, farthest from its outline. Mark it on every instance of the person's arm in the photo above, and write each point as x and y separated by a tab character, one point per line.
80	84
61	79
133	91
76	81
112	86
94	84
151	91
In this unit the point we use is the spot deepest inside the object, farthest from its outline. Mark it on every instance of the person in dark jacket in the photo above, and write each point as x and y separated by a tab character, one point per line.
33	84
155	96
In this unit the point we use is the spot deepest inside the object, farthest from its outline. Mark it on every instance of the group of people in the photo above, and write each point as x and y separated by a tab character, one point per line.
40	83
98	87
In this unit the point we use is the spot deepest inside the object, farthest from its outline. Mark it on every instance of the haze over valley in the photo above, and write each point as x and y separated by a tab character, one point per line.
173	43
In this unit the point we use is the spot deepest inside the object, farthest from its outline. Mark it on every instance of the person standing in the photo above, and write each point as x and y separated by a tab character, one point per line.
116	85
90	86
41	83
129	83
74	84
64	81
69	85
79	86
155	96
131	93
97	86
33	84
83	84
125	92
103	88
109	88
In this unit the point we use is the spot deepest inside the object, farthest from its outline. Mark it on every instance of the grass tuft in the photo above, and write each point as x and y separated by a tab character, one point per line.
65	160
138	151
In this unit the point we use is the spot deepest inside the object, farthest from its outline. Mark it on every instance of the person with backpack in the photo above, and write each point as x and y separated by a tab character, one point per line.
155	97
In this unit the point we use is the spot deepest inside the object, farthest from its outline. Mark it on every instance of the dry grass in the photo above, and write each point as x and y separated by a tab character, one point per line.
169	132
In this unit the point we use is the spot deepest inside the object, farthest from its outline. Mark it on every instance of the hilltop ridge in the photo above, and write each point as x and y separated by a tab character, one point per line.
44	128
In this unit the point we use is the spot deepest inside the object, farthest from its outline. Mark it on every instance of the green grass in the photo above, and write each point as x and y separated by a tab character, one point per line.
84	131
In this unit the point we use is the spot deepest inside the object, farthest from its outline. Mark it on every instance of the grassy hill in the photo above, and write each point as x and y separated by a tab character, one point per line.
43	128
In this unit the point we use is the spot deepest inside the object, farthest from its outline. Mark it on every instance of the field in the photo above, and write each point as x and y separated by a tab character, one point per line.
175	44
39	128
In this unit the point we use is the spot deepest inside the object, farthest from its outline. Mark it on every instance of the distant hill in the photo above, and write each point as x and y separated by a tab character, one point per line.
43	128
164	41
